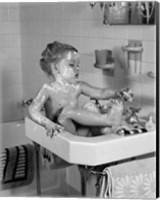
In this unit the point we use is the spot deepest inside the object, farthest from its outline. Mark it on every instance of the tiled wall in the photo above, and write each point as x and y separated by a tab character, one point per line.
10	62
79	25
26	28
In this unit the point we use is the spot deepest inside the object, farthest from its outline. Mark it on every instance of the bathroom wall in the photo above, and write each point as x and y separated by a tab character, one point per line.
77	24
10	62
11	94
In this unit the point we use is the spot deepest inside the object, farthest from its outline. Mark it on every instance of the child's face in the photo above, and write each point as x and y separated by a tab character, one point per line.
68	66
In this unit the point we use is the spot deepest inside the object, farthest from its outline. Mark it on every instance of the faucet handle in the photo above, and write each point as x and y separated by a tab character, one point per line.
135	110
27	103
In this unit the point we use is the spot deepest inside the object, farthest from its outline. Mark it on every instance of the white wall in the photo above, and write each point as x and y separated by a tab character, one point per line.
10	62
79	25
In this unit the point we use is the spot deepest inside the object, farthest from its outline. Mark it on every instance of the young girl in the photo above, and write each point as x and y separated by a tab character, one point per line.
60	97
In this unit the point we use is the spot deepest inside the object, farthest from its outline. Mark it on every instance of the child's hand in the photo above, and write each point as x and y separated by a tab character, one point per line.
53	129
126	94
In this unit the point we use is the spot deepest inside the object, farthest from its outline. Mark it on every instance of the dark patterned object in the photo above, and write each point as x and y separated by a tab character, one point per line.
126	132
17	166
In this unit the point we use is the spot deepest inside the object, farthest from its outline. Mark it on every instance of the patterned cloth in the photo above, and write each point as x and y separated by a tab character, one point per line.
141	185
135	179
17	166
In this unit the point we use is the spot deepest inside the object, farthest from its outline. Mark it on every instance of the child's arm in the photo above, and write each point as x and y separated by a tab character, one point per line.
125	94
97	93
35	110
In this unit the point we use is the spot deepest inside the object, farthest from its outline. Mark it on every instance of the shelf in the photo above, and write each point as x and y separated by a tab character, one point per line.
109	66
132	49
141	78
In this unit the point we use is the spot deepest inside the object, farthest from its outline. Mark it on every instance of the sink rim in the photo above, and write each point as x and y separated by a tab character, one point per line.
72	148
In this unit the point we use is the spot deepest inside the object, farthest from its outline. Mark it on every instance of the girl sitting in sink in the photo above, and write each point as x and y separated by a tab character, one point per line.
60	97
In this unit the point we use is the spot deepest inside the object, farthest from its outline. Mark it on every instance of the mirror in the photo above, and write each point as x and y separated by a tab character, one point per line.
134	13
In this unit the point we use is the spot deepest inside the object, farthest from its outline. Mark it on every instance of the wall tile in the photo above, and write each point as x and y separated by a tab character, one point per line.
149	33
30	13
85	45
58	10
108	43
4	27
76	27
85	63
48	11
10	78
14	52
4	12
147	67
109	32
94	79
12	92
50	28
119	32
73	10
108	81
134	32
10	41
13	14
92	28
11	74
60	28
97	29
12	65
148	93
87	27
67	27
98	43
11	99
6	114
149	52
89	13
11	112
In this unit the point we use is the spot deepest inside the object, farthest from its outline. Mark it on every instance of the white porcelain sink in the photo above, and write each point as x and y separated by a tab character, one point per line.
92	151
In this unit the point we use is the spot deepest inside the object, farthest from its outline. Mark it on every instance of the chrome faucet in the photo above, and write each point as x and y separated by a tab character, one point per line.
27	103
133	117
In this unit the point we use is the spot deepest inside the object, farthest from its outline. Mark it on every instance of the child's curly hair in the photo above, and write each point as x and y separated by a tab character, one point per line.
52	54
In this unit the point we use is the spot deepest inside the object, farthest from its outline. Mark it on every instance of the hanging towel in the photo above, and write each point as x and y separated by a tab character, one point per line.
17	166
105	185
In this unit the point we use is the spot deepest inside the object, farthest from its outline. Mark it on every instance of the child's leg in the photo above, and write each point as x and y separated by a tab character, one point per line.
83	131
85	117
69	126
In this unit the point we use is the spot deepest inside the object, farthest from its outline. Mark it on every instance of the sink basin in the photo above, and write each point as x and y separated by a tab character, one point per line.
92	151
